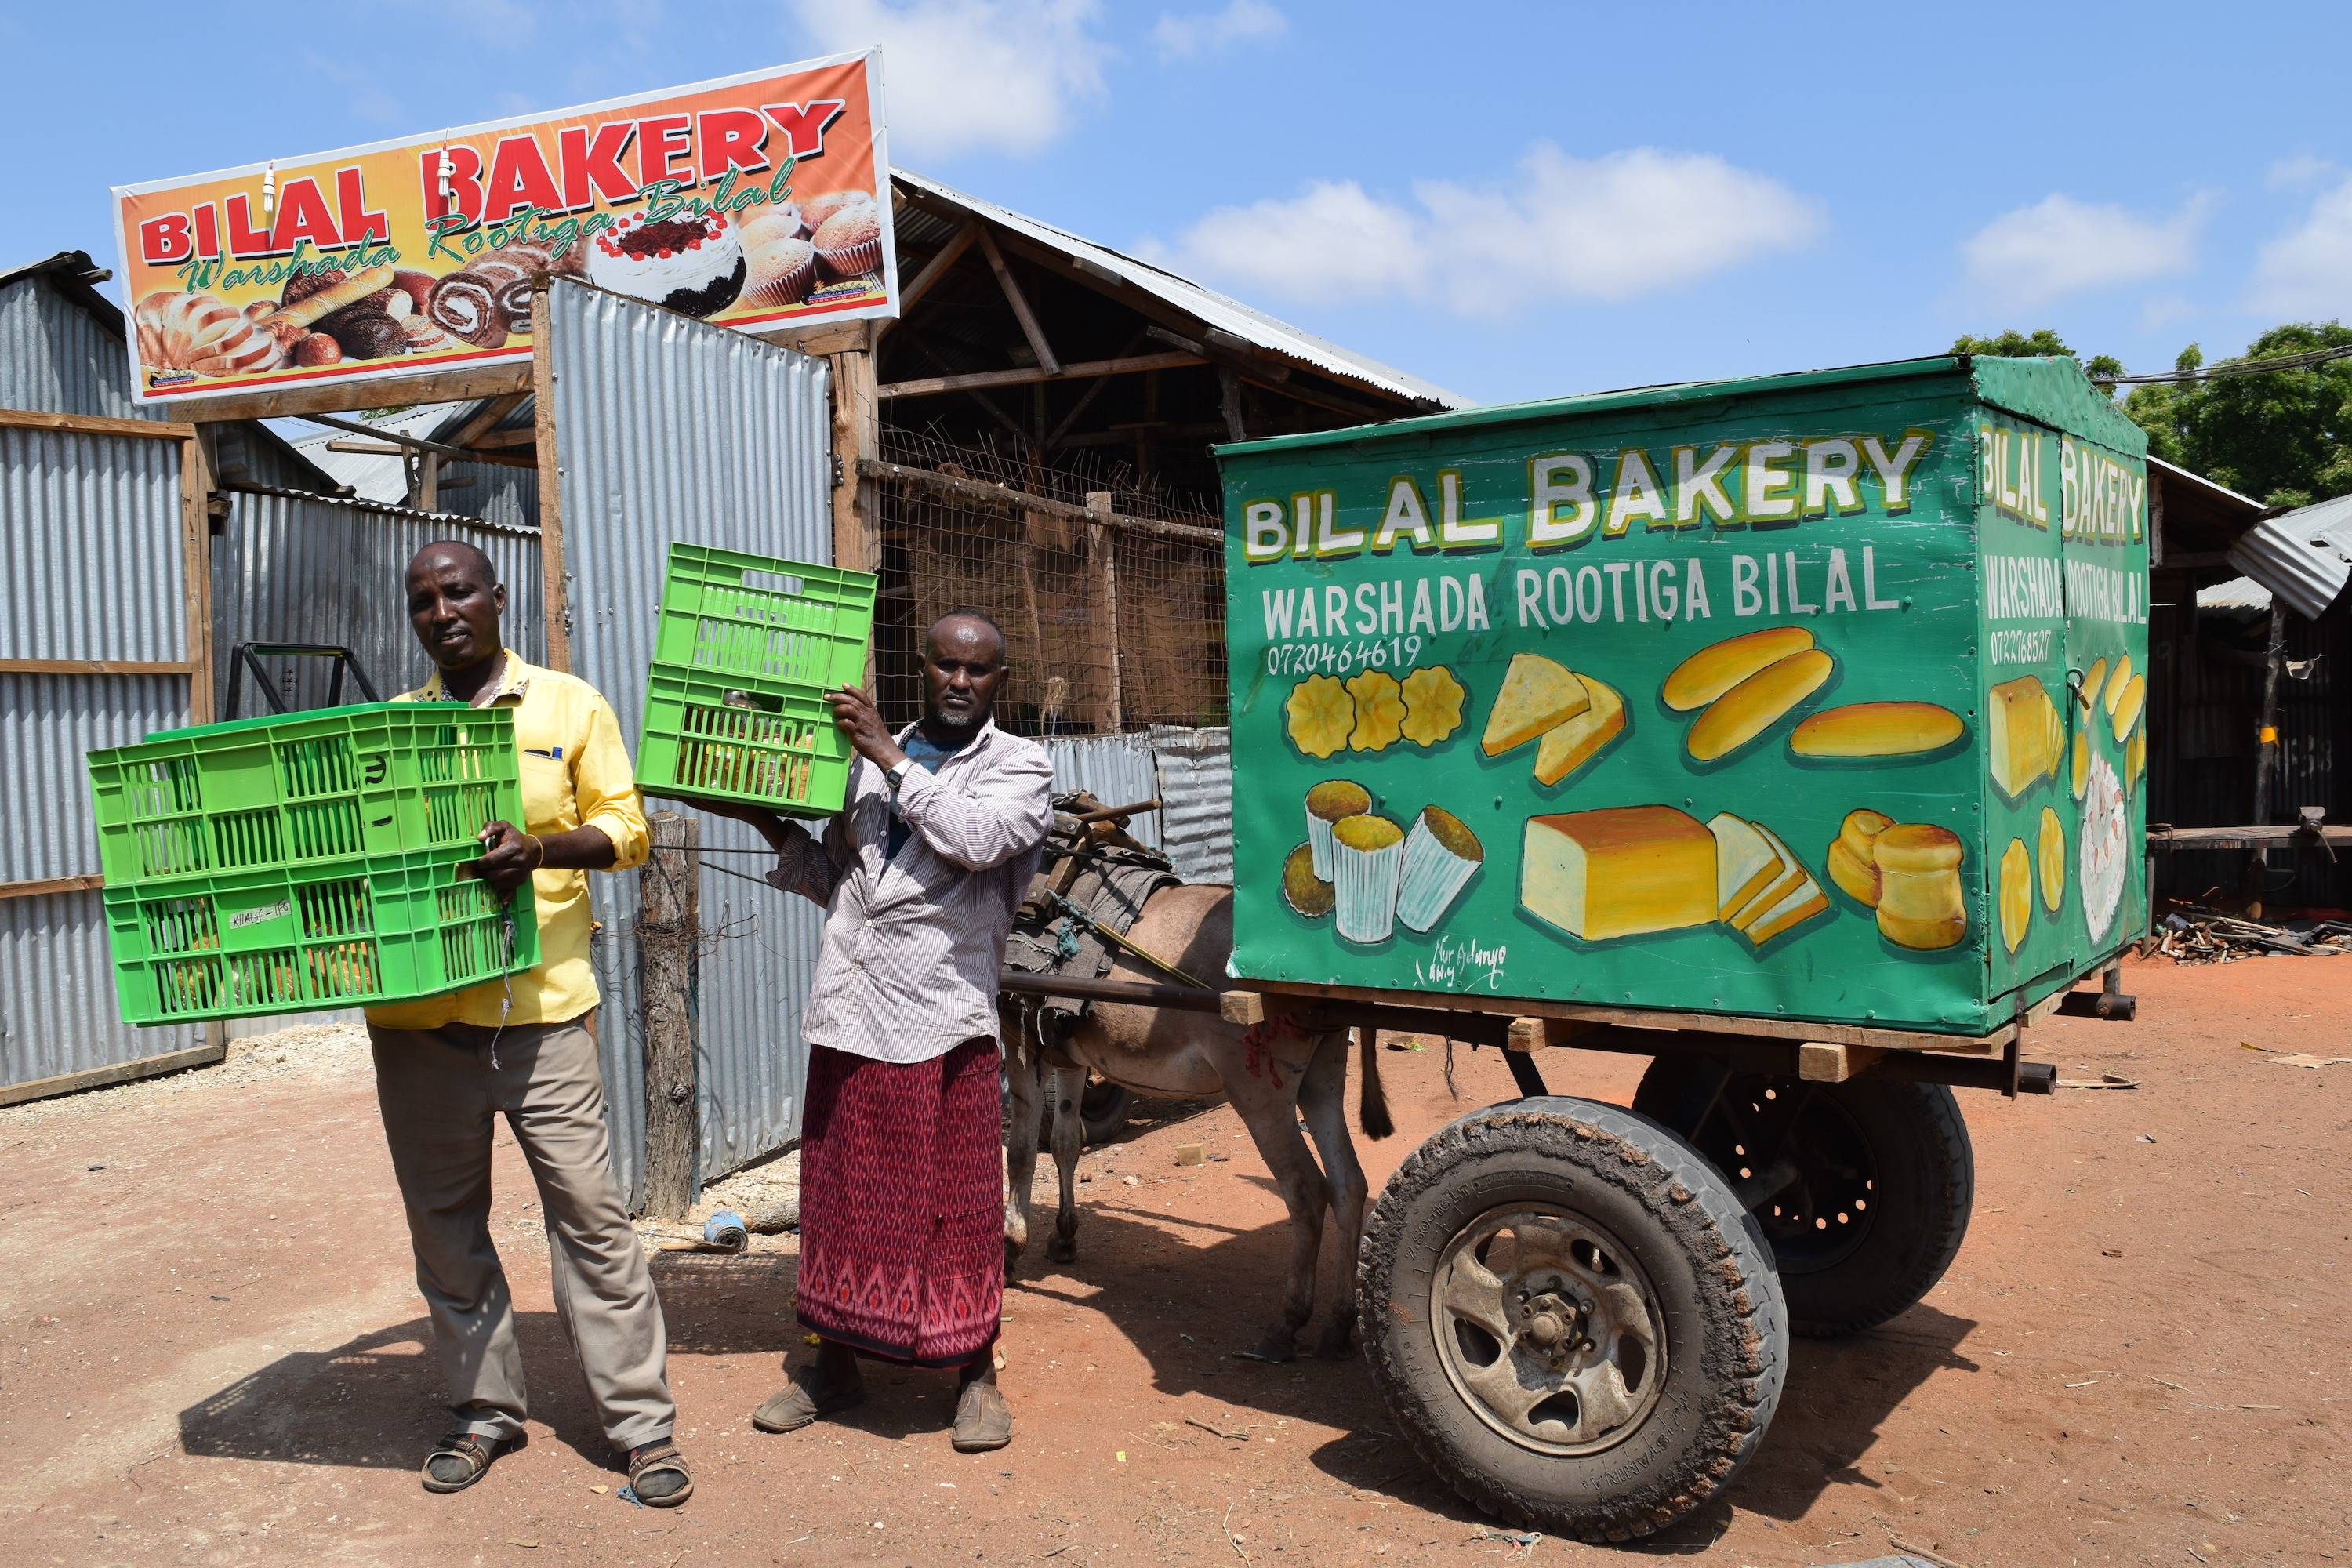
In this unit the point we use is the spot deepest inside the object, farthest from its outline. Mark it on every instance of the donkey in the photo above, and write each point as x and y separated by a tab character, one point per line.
1273	1075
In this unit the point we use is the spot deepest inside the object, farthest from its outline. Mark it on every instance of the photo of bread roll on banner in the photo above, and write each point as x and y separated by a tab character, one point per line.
317	307
1757	703
1876	729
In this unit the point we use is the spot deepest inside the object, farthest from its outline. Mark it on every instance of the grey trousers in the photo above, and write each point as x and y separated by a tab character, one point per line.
440	1093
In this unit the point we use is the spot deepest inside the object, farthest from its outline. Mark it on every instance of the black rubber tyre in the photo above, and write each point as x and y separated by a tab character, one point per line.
1886	1180
1694	1411
1102	1114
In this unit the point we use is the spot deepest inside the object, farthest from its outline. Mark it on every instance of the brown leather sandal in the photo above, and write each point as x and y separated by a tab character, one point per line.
460	1460
657	1474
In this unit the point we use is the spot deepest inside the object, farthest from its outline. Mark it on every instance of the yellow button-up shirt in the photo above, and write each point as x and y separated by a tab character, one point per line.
575	772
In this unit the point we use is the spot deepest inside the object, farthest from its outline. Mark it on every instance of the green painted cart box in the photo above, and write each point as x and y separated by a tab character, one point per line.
1808	697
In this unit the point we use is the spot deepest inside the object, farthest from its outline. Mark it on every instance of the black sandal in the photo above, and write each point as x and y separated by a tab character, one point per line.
460	1460
657	1474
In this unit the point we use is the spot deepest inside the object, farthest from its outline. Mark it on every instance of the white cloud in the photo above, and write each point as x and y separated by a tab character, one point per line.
2308	271
2165	311
2303	169
1204	32
966	74
2060	246
1611	228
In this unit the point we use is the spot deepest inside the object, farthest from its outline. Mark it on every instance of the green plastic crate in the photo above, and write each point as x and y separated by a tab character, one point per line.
296	939
735	707
330	785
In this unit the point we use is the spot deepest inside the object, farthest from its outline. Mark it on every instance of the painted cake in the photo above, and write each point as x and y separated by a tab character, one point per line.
693	265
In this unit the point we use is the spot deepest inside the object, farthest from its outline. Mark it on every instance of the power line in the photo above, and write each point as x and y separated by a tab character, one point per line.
2236	368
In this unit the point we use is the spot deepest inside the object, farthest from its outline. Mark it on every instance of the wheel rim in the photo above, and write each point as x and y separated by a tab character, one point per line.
1820	1219
1549	1330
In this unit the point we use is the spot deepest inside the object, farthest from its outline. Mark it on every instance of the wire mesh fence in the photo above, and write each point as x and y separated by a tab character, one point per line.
1107	626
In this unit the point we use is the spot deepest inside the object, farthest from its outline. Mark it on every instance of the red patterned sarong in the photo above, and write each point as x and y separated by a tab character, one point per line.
902	1203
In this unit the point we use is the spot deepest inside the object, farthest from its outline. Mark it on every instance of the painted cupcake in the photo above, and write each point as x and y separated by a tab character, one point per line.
693	265
1326	803
1440	854
781	271
1368	852
849	243
1302	889
817	209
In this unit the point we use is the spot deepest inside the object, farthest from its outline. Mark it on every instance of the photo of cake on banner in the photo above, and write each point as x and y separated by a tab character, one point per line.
754	202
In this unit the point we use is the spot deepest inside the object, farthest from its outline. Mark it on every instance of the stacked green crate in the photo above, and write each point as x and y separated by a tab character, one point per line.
735	706
313	860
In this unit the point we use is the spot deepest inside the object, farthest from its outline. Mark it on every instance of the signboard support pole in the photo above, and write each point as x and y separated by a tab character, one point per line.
856	436
552	578
1102	555
196	569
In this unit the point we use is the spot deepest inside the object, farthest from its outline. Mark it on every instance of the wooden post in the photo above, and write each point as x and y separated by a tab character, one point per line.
2266	756
550	488
856	500
670	934
196	572
1101	555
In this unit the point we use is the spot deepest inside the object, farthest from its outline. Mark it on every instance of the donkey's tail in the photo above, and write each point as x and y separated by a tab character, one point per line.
1372	1109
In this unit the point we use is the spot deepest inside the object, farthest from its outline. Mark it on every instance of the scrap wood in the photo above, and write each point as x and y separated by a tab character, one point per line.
2194	933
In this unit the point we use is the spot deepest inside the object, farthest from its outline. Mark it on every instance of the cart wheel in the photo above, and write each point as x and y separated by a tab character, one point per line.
1879	1180
1572	1318
1102	1114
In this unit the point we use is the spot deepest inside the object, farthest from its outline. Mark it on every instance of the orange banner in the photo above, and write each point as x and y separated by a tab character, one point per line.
757	201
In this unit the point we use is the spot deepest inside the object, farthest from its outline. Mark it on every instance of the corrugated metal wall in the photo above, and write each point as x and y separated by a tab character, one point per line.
56	356
669	430
89	541
292	567
1196	794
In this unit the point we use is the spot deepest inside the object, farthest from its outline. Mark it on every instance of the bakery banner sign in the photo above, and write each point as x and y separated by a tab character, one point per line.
755	202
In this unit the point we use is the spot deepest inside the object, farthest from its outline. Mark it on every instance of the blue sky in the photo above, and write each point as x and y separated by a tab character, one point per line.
1511	200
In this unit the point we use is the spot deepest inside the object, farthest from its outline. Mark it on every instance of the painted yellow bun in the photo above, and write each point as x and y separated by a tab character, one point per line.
1717	668
1757	703
1876	729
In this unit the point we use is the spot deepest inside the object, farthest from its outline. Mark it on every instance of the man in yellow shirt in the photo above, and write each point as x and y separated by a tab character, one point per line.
448	1066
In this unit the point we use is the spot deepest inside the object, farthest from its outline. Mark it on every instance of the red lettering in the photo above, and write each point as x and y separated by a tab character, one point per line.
465	182
731	139
207	229
351	205
244	239
805	124
593	168
661	143
164	239
519	178
302	215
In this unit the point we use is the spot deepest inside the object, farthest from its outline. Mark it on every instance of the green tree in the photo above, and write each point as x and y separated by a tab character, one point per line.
2041	343
2284	436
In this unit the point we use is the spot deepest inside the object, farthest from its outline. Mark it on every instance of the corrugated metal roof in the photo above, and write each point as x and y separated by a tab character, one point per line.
2304	556
376	478
1211	307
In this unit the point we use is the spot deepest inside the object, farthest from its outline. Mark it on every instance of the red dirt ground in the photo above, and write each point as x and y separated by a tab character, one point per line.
213	1351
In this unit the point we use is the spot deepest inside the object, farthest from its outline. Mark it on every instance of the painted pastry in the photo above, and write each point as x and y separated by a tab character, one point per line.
1568	747
1380	712
1539	694
1919	901
2106	847
1327	803
2016	894
780	265
1367	855
2050	859
1433	705
694	266
1302	889
1757	703
849	243
209	336
1320	715
1441	854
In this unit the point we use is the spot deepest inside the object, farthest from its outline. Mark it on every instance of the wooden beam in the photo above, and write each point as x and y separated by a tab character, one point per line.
196	480
1027	374
1277	378
550	488
40	886
121	1072
526	437
1021	312
461	385
1820	1062
821	341
470	433
997	495
91	425
95	667
368	448
958	243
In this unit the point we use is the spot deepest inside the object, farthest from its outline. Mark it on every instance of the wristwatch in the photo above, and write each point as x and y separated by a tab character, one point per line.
896	776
